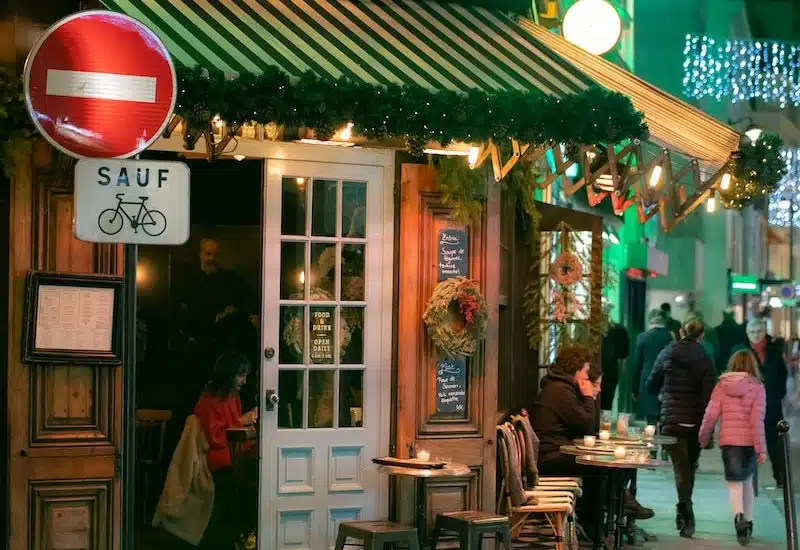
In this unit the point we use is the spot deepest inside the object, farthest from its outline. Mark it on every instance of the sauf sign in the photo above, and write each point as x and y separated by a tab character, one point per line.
132	201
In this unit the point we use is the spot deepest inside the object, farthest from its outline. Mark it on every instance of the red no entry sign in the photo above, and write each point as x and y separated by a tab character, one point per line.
100	84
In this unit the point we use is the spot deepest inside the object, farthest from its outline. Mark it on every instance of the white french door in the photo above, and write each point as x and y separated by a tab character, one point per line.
326	281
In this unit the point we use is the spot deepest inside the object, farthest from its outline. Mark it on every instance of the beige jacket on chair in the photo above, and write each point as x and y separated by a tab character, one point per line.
185	506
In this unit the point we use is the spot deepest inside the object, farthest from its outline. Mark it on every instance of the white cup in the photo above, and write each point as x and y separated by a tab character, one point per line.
589	440
604	435
650	430
424	456
620	452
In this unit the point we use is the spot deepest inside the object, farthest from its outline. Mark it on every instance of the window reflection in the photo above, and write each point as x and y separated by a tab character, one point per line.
353	272
290	391
351	398
352	347
323	271
292	342
323	209
293	276
320	390
354	209
293	206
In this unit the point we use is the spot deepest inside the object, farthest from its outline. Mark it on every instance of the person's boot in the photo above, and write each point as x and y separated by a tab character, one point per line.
684	519
633	508
744	529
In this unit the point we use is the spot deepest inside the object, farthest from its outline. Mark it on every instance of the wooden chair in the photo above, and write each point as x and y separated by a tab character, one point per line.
471	527
527	509
151	428
375	534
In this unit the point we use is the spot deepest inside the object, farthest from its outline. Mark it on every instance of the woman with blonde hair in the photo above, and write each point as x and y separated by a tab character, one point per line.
739	403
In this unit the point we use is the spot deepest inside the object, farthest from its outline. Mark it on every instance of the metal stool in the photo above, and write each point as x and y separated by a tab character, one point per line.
374	534
471	526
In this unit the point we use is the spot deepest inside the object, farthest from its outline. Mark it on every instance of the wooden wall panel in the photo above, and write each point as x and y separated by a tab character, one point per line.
470	439
65	420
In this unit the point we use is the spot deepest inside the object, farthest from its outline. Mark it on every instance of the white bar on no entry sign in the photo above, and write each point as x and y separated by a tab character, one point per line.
119	87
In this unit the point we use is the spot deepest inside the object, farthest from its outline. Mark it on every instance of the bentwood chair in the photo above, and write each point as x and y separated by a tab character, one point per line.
536	516
151	429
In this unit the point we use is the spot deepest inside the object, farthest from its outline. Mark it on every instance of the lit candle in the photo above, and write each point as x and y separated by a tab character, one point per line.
650	430
605	435
589	440
424	456
619	452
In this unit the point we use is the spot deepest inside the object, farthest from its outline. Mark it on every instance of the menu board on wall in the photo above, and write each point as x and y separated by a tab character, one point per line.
74	318
452	254
451	386
321	335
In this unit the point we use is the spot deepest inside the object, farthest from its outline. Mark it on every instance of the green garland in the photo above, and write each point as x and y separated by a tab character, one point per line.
757	170
16	128
410	112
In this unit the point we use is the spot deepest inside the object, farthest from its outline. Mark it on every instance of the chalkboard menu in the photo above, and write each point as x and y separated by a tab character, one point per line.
452	246
451	386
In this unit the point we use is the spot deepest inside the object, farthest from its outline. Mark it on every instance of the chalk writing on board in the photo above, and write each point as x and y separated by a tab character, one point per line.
451	386
452	245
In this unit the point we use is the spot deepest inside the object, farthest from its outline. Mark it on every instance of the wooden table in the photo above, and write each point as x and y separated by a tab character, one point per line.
619	470
420	476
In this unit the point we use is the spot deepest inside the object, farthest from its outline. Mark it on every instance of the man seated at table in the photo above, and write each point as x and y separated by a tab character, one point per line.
567	409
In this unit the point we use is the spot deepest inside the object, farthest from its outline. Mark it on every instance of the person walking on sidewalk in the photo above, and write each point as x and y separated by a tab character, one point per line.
772	366
739	403
649	345
684	377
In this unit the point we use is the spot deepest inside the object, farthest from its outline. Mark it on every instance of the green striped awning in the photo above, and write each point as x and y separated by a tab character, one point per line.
431	44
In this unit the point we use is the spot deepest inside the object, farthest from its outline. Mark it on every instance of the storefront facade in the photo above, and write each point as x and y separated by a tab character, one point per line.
349	237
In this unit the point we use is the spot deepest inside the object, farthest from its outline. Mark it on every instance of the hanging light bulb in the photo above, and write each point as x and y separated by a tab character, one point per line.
655	175
725	184
711	203
472	158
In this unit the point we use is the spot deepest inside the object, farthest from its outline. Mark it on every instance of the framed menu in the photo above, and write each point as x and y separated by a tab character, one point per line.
72	319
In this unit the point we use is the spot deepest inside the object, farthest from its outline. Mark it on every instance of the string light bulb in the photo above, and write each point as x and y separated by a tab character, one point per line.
725	182
472	157
711	203
655	175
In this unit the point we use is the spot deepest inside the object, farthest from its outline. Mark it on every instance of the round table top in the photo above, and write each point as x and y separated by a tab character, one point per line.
655	440
450	470
576	450
612	443
610	461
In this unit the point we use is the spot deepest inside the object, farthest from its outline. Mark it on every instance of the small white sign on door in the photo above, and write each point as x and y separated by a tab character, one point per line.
132	201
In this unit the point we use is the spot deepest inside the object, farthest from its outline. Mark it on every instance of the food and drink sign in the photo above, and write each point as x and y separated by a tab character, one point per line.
322	335
451	386
452	246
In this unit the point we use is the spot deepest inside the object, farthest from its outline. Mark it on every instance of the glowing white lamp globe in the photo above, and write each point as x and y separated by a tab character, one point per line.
594	25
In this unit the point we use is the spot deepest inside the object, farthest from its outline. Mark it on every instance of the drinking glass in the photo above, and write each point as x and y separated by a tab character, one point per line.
605	421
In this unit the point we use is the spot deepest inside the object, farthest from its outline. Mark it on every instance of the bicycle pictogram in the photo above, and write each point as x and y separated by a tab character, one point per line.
152	222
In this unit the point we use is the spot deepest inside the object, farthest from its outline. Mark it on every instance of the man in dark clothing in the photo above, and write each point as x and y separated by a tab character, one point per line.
771	363
615	348
649	345
730	336
673	325
564	410
684	377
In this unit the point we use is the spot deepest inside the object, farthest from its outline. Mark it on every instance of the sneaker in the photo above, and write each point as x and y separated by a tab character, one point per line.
684	520
744	529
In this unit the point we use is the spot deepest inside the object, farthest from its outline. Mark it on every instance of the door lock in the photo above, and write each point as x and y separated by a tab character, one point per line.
271	401
269	353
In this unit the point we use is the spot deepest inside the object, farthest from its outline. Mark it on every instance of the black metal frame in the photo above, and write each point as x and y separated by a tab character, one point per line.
128	451
30	354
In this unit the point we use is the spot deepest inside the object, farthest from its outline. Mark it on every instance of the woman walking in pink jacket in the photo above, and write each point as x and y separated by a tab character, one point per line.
739	403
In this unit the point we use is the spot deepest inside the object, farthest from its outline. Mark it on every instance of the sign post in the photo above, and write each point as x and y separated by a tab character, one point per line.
98	86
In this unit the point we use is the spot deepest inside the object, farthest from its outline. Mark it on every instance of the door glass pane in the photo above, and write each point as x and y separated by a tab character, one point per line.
351	398
293	206
320	392
290	392
321	327
292	338
323	271
354	209
352	338
323	209
353	272
293	276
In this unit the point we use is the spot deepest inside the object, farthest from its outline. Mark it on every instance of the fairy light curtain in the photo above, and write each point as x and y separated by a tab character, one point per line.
784	203
740	70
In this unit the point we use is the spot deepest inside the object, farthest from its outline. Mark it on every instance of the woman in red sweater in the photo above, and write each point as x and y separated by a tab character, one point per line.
219	409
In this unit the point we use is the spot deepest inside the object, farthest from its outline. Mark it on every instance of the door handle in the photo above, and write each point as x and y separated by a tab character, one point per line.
271	400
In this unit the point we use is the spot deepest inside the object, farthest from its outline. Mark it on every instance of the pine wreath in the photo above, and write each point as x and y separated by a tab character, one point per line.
456	317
